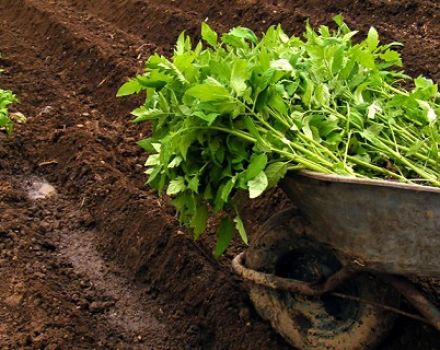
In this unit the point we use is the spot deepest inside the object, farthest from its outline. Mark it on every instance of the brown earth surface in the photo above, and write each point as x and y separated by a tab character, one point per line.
103	264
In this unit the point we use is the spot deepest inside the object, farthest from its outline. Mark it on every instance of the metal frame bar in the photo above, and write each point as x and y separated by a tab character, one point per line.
291	285
430	313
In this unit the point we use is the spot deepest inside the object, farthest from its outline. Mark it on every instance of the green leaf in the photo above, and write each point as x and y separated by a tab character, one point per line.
372	39
245	33
209	118
153	175
193	184
250	125
226	190
220	69
338	60
176	186
6	122
129	88
200	220
275	172
430	114
184	143
142	114
239	226
180	45
233	41
366	59
339	20
322	94
348	69
146	145
372	132
327	127
391	56
415	147
239	75
277	103
257	185
209	35
184	63
156	146
224	236
281	64
154	79
153	159
256	166
308	93
208	92
175	162
373	109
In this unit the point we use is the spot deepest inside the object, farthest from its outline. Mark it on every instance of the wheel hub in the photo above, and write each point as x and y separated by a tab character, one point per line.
315	265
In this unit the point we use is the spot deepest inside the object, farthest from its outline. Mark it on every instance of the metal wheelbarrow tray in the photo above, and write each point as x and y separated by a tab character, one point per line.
347	234
386	226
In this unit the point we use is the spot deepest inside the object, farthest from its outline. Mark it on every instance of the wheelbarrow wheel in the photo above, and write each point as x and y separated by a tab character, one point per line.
326	322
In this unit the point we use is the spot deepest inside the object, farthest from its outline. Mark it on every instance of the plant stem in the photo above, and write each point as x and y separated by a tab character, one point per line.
376	168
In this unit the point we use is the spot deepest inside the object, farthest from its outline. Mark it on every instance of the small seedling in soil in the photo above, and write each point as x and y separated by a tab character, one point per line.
6	99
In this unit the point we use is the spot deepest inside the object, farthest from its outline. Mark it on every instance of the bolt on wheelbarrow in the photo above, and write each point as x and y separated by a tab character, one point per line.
329	275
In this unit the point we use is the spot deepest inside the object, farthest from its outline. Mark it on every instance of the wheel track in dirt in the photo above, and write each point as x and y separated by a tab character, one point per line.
129	310
81	302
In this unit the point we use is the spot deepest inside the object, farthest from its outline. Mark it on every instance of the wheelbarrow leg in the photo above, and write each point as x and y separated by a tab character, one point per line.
416	298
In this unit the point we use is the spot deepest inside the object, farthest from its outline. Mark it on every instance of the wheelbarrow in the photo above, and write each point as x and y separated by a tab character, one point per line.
330	274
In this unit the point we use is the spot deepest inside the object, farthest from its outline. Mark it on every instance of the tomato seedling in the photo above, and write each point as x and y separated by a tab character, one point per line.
237	112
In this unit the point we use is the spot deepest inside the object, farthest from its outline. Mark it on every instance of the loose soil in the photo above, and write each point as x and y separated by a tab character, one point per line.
102	263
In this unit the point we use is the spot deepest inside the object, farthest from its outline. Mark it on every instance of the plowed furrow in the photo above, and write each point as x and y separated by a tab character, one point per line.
399	23
143	18
93	55
173	17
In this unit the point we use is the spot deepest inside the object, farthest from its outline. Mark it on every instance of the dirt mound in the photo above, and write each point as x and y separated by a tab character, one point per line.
156	288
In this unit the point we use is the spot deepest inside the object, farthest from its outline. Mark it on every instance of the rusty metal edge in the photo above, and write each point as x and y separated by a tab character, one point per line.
269	281
428	310
430	313
367	182
279	283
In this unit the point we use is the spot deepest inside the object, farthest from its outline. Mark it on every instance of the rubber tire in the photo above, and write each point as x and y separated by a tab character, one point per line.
303	321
